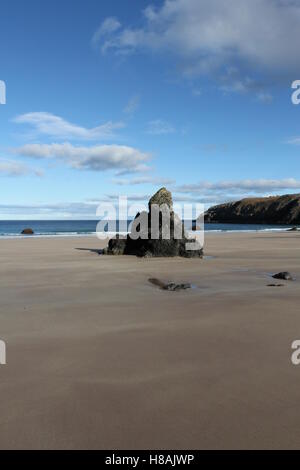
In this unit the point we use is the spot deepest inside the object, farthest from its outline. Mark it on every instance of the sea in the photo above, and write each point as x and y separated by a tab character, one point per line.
67	228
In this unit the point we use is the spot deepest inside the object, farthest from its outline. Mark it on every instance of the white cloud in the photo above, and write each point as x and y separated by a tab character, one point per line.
144	180
14	168
130	197
55	126
232	81
132	105
109	26
208	200
208	36
49	211
258	186
265	97
80	210
206	193
120	158
294	141
159	127
219	192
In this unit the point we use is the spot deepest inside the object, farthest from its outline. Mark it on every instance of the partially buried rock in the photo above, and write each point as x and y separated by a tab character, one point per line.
157	233
27	231
293	229
285	276
170	286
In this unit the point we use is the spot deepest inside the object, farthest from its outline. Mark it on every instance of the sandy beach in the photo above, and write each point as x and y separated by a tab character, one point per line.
97	357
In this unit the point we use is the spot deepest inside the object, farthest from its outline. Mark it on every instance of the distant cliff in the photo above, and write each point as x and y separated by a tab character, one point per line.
266	210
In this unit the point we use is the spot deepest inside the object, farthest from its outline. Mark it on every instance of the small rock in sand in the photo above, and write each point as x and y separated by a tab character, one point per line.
27	231
170	286
285	276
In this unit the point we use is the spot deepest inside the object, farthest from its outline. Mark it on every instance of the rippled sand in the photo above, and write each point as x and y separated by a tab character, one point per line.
97	357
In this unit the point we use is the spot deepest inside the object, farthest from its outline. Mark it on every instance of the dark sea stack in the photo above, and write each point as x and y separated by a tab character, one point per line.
116	246
274	210
144	244
27	231
285	276
163	196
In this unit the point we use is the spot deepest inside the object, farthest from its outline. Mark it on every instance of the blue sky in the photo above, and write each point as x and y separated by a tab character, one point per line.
121	97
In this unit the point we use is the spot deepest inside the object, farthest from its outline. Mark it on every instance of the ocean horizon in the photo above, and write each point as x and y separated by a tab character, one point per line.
68	228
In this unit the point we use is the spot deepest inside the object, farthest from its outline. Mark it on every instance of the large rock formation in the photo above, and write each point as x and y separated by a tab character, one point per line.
158	232
281	210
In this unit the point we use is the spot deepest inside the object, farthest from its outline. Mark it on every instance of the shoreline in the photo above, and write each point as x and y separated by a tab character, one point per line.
110	234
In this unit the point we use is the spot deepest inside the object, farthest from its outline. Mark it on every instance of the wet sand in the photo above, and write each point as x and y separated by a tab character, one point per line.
97	357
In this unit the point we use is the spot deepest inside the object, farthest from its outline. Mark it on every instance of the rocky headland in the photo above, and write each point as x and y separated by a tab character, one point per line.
281	210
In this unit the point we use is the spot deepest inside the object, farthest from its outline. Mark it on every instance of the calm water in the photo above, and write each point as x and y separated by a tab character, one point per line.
88	227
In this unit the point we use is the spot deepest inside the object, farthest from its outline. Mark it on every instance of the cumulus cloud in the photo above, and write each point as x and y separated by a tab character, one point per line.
14	168
70	210
206	193
160	127
179	199
120	158
209	193
55	126
80	210
210	36
258	186
50	211
144	180
130	197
